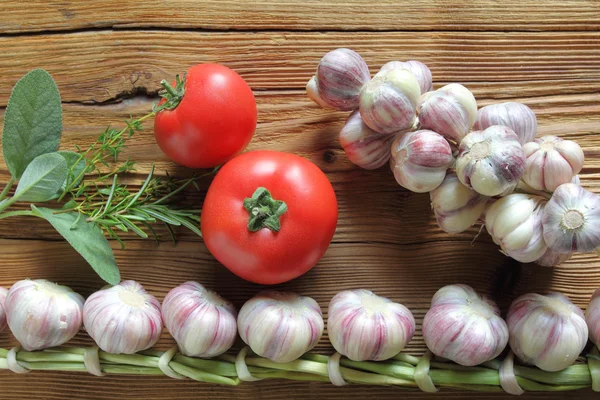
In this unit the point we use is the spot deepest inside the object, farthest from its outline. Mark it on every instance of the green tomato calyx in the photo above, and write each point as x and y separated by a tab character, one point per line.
264	211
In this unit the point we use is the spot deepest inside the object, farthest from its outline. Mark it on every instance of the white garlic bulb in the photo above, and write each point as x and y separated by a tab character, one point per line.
312	90
592	318
464	327
363	146
420	160
449	111
388	102
340	77
490	161
547	331
418	69
280	326
202	323
364	326
42	314
551	258
551	161
3	293
516	116
123	319
571	220
515	223
456	206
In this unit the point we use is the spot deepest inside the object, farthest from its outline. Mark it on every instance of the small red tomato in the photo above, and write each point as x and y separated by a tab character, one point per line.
269	216
213	121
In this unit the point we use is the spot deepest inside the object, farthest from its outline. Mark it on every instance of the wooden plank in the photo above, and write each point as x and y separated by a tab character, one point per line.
107	65
427	15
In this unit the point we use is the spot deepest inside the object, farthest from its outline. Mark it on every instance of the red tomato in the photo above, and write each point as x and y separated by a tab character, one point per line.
267	256
214	121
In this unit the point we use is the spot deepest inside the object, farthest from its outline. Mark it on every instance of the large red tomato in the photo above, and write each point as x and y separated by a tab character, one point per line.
269	216
213	121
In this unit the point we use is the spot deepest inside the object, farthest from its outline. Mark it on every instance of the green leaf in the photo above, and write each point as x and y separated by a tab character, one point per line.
32	122
42	179
87	238
76	167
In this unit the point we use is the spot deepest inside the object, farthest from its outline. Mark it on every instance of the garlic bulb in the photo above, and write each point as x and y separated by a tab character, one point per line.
572	219
449	111
551	258
202	323
3	293
490	161
388	102
551	161
463	326
418	69
592	318
364	326
42	314
312	90
123	319
420	160
280	326
516	116
341	75
456	206
363	146
515	223
547	331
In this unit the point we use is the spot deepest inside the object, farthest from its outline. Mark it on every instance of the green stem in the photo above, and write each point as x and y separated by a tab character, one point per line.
7	188
17	213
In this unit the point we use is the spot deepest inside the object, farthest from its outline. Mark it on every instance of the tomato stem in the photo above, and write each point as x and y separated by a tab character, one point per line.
172	95
264	211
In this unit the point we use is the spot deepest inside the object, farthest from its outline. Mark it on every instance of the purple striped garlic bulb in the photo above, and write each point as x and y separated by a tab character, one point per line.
364	326
3	293
592	318
388	102
464	327
551	161
571	220
551	258
312	91
420	160
341	74
280	326
491	161
546	331
456	206
449	111
202	323
418	69
42	314
363	146
515	223
516	116
123	319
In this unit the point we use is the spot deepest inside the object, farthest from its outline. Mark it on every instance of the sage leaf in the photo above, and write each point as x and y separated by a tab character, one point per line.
32	122
75	166
42	179
85	237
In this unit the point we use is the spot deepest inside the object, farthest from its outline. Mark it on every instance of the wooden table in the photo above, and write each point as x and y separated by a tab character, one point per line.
108	58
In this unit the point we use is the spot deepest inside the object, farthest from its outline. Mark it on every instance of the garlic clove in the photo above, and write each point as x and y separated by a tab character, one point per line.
280	326
516	116
42	314
418	69
571	220
551	161
449	111
3	293
547	331
456	207
364	326
490	161
420	160
123	319
363	146
312	91
388	102
551	258
202	323
464	327
341	74
592	318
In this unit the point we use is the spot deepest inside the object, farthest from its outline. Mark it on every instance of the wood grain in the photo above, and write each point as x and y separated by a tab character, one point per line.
424	15
106	65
